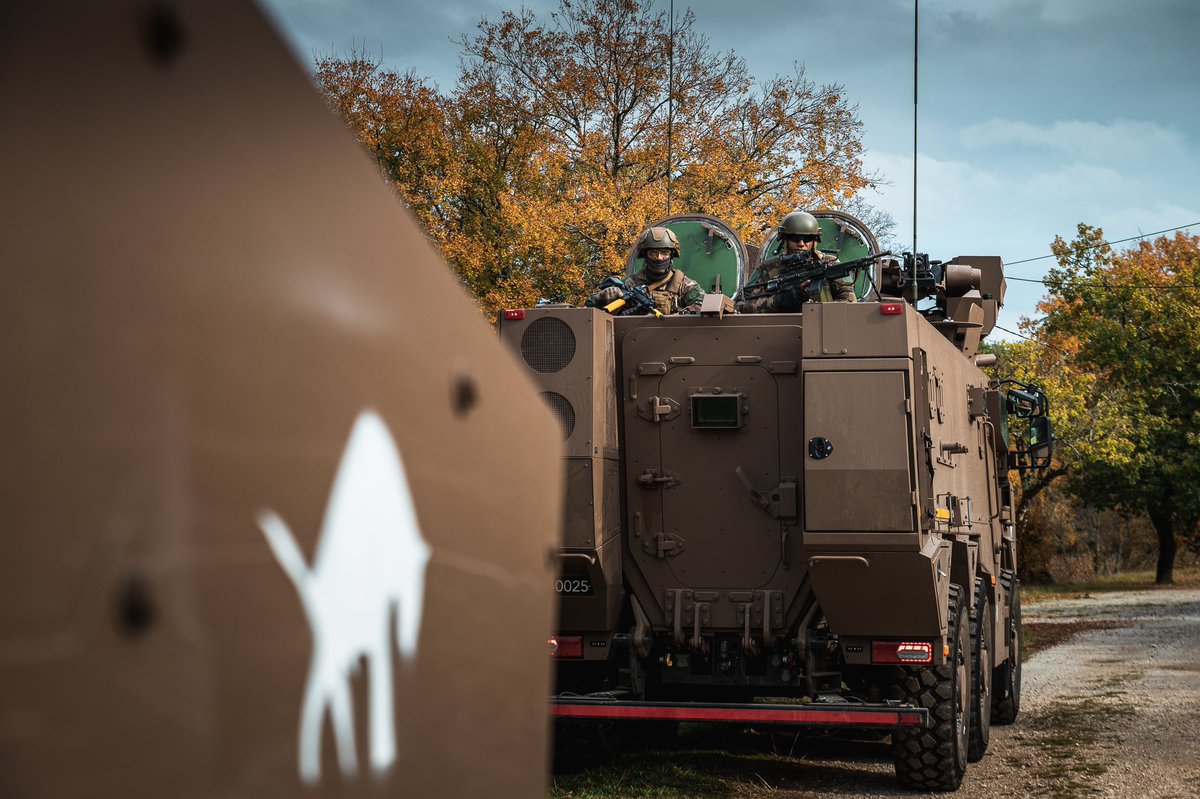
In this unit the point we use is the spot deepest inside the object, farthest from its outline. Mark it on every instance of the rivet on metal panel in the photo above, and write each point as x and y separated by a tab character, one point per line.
162	34
135	610
465	394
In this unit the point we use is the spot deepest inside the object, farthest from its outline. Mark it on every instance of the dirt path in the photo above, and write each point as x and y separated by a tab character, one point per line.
1109	713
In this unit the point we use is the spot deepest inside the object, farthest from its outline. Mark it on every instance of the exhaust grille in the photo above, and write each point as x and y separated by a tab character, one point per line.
610	387
548	345
562	409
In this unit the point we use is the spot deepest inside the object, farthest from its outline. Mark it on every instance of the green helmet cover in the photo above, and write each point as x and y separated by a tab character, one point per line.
800	223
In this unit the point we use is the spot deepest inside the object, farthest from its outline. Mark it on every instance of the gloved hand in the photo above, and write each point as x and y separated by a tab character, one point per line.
609	295
790	300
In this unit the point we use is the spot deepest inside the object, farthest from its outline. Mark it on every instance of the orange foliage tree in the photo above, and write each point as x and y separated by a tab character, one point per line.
536	172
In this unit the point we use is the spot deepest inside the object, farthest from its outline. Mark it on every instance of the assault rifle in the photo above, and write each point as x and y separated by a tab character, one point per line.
798	267
637	299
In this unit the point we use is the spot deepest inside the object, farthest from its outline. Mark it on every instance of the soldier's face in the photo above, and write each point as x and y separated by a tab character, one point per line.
658	255
793	244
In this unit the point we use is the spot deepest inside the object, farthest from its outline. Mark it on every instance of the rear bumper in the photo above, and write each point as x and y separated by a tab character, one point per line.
833	714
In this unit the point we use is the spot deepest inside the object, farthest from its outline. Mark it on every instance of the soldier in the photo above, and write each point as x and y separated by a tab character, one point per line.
800	233
671	290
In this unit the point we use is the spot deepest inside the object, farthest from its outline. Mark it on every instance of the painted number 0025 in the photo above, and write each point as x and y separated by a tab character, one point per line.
572	586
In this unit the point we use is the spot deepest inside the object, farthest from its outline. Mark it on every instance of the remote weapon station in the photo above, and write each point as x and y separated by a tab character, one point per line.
796	518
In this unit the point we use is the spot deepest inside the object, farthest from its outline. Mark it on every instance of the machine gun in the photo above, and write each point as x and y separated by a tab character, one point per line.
637	299
801	266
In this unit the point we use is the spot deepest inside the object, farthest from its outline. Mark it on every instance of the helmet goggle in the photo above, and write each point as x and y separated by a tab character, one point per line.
799	237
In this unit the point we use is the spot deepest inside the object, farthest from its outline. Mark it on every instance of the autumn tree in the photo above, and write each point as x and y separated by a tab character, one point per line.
1088	425
596	78
402	124
1133	319
536	172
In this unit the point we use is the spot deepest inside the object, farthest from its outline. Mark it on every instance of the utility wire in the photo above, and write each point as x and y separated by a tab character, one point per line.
1085	284
1034	340
1117	241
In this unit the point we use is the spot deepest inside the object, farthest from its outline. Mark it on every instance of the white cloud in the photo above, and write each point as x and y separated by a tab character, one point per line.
1121	139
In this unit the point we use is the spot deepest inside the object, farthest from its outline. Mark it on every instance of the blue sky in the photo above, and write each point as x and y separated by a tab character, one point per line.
1034	115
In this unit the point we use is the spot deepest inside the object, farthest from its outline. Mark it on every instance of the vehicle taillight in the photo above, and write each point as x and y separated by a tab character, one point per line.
891	308
514	315
566	646
901	652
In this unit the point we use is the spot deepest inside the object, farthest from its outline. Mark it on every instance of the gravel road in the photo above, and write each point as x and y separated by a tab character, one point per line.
1112	712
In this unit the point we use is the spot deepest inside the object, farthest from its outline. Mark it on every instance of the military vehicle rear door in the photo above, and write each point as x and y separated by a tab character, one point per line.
709	487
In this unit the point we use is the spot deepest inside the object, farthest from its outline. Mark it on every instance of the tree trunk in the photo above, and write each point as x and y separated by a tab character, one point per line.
1165	573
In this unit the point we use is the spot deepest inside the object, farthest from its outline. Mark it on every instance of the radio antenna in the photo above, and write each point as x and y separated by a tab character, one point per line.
670	103
916	5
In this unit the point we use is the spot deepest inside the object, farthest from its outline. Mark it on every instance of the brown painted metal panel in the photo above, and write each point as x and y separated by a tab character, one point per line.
219	325
855	330
699	526
893	594
865	483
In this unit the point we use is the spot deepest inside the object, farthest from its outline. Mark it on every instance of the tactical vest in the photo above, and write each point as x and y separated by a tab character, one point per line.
665	292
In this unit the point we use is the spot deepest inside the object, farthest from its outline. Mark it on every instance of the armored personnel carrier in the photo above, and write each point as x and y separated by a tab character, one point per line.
797	518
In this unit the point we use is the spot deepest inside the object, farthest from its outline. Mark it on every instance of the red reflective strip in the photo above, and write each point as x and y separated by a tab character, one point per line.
515	316
826	717
891	308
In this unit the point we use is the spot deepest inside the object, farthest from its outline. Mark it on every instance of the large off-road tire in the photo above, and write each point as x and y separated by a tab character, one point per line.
935	758
981	667
1006	696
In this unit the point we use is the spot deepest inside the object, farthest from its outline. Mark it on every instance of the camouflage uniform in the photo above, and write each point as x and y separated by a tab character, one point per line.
791	299
678	293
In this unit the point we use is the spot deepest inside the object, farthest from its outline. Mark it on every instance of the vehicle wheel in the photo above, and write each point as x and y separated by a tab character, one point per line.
981	682
1007	677
935	758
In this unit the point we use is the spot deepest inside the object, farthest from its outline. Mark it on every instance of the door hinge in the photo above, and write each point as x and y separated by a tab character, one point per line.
655	479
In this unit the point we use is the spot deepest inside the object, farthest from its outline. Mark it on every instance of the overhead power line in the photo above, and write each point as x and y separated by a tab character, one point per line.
1033	339
1116	241
1173	287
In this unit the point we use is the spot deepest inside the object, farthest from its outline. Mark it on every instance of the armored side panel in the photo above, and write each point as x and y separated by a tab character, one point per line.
569	354
277	505
909	455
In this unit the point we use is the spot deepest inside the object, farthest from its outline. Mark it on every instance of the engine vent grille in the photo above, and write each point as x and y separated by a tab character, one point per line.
562	409
548	345
610	387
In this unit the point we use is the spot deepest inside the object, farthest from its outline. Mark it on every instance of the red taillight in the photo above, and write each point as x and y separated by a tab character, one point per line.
901	652
891	308
566	646
515	315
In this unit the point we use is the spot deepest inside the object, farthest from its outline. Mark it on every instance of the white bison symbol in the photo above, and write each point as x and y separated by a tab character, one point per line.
369	569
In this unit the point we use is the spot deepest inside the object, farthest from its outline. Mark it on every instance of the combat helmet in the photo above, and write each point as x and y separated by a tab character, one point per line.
657	238
800	223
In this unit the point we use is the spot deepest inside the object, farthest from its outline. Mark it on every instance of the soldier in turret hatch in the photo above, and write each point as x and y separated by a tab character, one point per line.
800	233
671	290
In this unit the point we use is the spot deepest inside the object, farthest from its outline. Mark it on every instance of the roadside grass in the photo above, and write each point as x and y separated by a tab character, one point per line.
1185	577
711	761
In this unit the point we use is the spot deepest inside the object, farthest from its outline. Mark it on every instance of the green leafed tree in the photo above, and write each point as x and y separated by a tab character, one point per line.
1132	320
